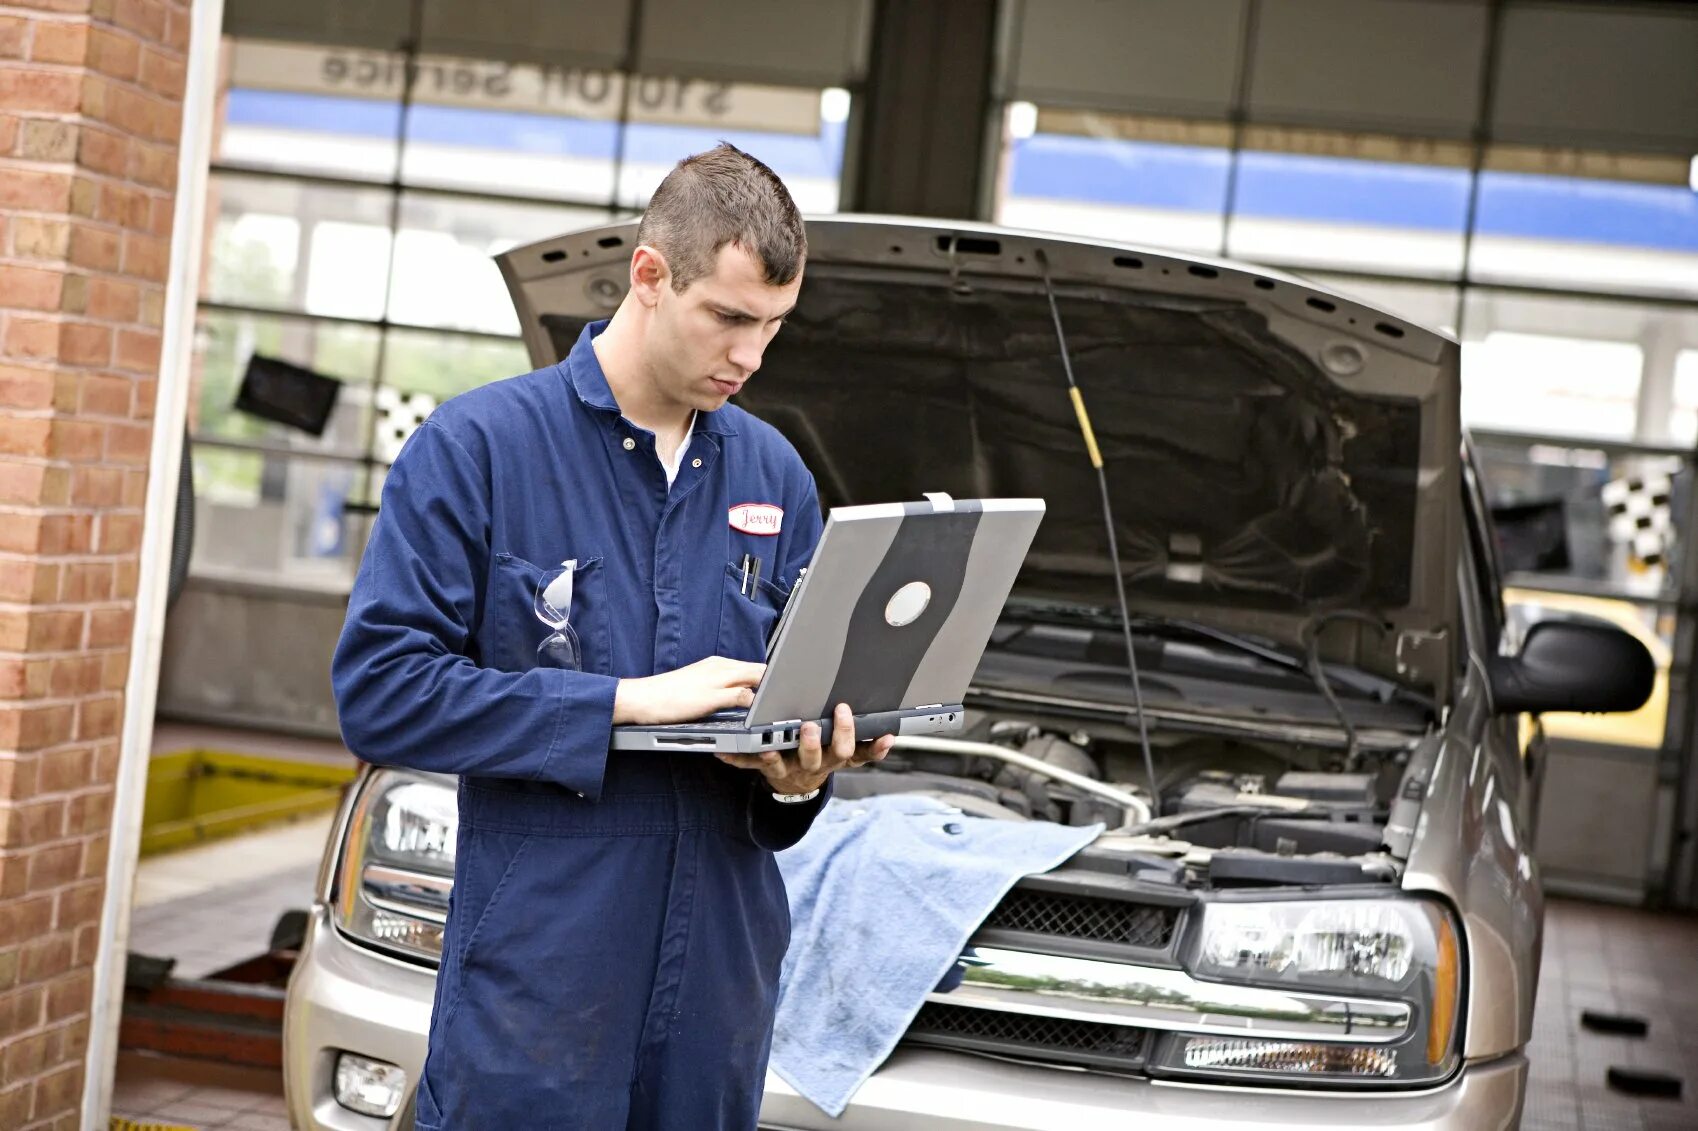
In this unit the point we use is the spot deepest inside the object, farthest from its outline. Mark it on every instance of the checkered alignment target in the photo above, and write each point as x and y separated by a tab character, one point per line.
1640	515
399	415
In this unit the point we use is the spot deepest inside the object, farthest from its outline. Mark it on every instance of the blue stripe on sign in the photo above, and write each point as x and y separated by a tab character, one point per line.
541	134
1612	212
1347	191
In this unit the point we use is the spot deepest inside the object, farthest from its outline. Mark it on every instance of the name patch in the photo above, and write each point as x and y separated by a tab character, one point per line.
757	518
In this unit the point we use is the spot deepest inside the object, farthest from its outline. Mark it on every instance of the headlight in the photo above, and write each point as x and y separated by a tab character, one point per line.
398	864
1402	950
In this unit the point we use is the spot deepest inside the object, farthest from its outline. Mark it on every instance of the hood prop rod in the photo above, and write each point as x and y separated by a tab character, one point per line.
1095	453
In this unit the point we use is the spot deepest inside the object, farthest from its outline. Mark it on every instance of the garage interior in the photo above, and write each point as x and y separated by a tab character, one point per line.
1521	175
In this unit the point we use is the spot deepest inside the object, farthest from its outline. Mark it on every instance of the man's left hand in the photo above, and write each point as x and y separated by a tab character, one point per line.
807	767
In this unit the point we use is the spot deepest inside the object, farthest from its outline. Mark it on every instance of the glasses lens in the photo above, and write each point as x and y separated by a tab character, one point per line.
561	650
553	600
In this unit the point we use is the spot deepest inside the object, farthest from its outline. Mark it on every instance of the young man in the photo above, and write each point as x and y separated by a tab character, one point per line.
612	952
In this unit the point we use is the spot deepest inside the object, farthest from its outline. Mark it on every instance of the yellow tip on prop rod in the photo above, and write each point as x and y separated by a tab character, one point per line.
1085	425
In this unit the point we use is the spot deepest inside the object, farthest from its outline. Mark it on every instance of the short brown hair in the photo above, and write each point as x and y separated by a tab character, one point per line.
718	197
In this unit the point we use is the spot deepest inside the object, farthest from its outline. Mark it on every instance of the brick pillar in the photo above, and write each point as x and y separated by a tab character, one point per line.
90	111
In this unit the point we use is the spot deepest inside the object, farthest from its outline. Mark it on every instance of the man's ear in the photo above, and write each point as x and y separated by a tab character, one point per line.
649	274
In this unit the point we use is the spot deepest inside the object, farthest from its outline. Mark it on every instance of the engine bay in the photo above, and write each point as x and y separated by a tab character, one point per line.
1233	811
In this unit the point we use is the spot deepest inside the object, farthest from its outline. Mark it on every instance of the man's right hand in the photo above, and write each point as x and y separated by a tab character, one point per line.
690	693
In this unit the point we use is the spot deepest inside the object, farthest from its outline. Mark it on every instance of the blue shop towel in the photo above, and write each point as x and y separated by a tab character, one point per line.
884	894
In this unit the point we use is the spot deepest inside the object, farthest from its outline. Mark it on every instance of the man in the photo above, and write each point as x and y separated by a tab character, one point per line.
612	952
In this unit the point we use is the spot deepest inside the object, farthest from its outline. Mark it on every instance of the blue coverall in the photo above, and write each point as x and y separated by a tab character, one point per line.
617	924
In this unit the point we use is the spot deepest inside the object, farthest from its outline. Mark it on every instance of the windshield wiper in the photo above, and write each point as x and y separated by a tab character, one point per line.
1362	683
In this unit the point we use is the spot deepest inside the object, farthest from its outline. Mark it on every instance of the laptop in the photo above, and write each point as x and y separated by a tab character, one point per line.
891	617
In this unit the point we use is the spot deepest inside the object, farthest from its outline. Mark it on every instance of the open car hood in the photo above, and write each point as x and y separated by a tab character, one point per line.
1274	451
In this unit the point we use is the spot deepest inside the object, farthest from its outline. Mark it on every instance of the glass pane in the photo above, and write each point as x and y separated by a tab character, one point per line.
1561	366
1570	512
267	517
1074	172
296	246
324	110
444	365
1586	233
1384	216
797	132
445	273
225	342
1684	420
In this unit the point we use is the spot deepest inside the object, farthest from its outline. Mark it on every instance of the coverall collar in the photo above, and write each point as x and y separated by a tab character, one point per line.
583	369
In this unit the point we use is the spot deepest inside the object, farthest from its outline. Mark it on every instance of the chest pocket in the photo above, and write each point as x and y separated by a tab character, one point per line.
512	629
746	620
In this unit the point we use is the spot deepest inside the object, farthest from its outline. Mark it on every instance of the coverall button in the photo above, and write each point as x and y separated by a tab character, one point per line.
695	463
630	444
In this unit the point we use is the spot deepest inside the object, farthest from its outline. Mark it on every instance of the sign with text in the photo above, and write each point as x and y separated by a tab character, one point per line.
573	92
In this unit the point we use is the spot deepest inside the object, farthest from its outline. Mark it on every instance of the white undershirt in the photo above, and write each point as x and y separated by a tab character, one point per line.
671	469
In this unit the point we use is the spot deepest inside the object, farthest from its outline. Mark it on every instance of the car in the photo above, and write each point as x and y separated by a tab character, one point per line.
1315	904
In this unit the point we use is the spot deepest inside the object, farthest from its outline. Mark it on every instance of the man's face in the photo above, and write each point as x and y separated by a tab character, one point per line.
706	342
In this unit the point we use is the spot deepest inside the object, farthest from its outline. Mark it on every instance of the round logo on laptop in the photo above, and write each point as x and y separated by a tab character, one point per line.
907	603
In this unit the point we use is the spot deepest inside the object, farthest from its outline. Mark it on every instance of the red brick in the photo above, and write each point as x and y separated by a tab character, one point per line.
48	140
123	205
154	165
162	74
79	584
74	676
64	771
113	299
25	1057
96	486
138	351
14	683
104	151
163	217
67	533
25	388
24	435
126	443
146	393
89	813
42	727
118	534
62	1091
75	439
14	884
56	487
60	42
128	573
177	24
95	852
110	628
25	920
83	343
94	248
77	905
55	630
135	490
31	190
30	339
113	53
50	92
30	288
14	626
100	395
115	666
70	1041
49	868
144	17
16	1102
21	482
85	197
25	826
13	32
20	578
37	238
8	133
146	257
99	718
106	758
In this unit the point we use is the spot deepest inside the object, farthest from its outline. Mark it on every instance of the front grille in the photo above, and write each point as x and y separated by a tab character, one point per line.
1021	1034
1085	917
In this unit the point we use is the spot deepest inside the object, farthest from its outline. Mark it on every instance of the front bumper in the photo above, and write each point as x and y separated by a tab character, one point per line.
345	997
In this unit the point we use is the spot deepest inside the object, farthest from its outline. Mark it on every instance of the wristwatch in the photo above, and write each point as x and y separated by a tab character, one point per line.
794	798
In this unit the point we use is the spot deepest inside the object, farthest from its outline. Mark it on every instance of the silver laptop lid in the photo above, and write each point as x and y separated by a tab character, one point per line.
897	606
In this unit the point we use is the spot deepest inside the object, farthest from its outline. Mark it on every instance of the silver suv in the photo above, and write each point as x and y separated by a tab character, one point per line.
1317	904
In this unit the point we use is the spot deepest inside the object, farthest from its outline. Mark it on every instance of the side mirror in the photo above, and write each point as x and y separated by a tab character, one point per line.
1571	665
